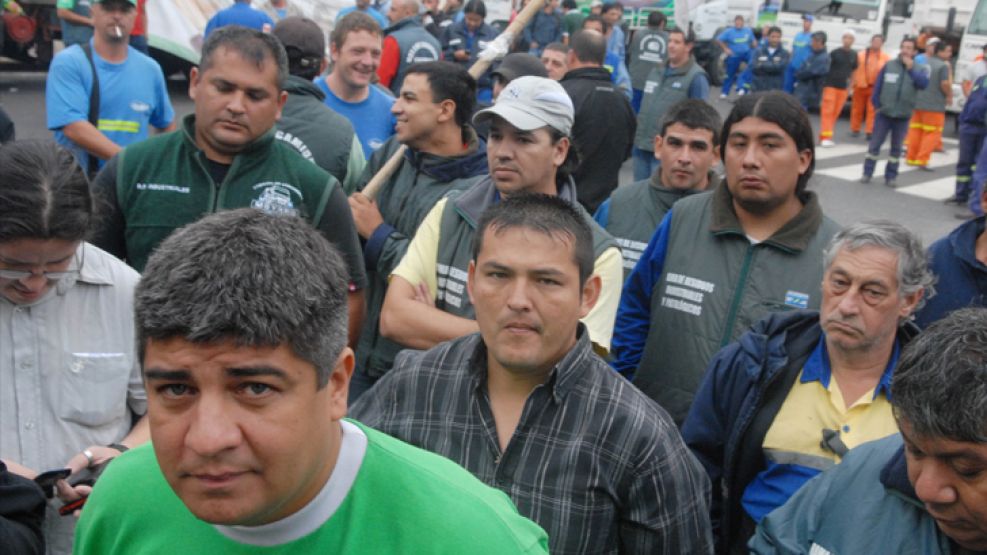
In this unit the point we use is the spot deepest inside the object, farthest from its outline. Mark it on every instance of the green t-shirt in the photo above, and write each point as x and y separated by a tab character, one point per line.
403	500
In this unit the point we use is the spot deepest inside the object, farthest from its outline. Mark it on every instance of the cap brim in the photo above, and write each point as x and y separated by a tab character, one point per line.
513	115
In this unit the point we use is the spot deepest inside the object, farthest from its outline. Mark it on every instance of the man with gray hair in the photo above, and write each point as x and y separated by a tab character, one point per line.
918	492
225	156
796	392
241	328
406	42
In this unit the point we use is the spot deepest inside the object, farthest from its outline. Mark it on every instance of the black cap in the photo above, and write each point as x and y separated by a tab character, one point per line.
517	65
301	37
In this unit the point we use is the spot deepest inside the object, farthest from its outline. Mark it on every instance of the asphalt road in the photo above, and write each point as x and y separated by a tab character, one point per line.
916	203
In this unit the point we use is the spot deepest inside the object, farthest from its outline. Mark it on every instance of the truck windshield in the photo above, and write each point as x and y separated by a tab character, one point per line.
978	22
865	10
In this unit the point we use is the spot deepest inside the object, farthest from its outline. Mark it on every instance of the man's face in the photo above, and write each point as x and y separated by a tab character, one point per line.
555	63
242	434
848	41
114	20
950	478
416	113
806	25
818	44
398	11
613	16
594	25
473	21
762	165
946	53
357	60
907	49
738	22
678	50
523	161
35	256
861	303
525	287
236	101
686	156
774	39
876	43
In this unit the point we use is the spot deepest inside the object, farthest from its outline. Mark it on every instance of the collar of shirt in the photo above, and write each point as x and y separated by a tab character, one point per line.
561	379
817	368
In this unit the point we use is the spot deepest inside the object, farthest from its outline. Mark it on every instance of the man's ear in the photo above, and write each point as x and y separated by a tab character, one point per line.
590	294
339	384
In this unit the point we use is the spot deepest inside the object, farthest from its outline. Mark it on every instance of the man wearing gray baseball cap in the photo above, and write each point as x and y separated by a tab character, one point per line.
529	151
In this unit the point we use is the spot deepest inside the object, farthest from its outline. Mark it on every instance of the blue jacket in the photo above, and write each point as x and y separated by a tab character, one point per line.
769	70
739	41
809	78
543	29
801	48
962	278
919	77
866	504
457	37
975	109
744	388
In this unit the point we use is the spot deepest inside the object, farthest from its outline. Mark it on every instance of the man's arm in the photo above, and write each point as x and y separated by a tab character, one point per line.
337	226
699	88
111	226
667	507
72	17
355	165
94	142
390	60
634	311
875	96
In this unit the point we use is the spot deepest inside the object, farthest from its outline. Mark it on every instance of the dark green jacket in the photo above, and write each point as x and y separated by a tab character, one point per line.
664	88
164	183
896	97
405	199
634	211
709	284
318	133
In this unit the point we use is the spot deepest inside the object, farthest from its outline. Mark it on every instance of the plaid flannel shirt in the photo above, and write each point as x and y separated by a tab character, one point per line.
596	463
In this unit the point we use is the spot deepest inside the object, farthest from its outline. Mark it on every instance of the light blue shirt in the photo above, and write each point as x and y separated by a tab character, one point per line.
371	117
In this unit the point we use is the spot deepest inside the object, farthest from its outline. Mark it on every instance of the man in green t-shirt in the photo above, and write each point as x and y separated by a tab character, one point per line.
241	325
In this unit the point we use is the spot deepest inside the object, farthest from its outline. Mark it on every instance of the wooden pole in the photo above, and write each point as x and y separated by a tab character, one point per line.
496	49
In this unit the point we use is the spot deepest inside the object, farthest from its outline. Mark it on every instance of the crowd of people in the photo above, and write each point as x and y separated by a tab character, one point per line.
370	303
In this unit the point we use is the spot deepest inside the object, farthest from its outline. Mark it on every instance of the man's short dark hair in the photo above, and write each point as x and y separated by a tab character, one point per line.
450	81
44	193
557	47
589	46
820	36
656	19
351	23
252	45
569	4
911	40
940	46
548	214
598	18
782	110
774	29
249	277
612	6
940	385
475	7
688	37
694	114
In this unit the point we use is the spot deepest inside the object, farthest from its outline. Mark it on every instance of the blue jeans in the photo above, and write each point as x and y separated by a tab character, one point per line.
970	145
733	66
645	163
788	85
883	125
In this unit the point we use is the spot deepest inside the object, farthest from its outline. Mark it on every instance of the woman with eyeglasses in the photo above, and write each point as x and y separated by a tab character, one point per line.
70	382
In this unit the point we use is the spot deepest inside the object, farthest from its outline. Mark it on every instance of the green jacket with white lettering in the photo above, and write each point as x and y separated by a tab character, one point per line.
714	283
164	183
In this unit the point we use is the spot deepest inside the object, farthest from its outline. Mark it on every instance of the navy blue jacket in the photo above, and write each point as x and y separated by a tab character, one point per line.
457	37
975	110
809	78
768	69
962	278
744	388
544	29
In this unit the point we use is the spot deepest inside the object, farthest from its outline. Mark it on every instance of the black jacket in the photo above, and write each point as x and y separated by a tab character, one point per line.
22	510
603	131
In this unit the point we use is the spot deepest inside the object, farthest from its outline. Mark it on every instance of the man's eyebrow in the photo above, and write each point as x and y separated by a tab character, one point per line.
159	374
771	135
257	371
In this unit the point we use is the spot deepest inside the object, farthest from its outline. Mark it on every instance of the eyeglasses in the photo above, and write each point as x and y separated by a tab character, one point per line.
50	276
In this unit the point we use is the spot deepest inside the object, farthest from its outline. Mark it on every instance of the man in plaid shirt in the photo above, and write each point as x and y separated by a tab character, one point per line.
527	406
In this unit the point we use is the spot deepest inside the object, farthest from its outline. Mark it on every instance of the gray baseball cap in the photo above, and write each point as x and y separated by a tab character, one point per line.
530	103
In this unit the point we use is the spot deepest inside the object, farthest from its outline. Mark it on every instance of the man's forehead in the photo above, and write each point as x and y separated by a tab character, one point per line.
869	262
501	125
504	241
226	68
753	126
683	132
